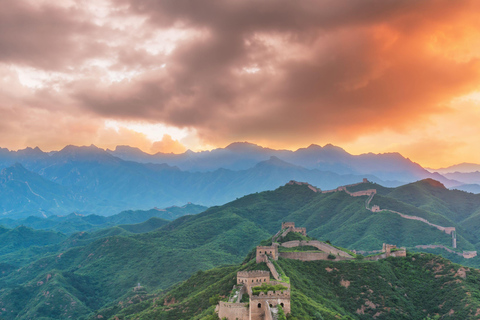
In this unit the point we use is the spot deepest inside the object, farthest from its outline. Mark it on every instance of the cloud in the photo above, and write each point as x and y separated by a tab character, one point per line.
167	145
325	68
278	72
46	36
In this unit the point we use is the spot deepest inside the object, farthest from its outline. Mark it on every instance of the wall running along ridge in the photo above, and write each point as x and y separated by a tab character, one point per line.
371	193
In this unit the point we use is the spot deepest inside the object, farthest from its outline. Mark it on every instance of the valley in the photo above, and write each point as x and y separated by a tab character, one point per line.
111	258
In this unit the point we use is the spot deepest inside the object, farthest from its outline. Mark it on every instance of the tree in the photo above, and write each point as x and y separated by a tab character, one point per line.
214	299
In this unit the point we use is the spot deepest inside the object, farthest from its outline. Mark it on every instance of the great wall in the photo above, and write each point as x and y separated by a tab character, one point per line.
264	306
375	208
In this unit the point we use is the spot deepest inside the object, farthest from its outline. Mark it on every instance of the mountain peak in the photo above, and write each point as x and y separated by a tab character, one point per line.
243	146
432	183
125	148
72	150
276	162
16	167
30	152
15	172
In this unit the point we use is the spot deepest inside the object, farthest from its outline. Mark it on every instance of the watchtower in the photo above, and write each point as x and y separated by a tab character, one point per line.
264	251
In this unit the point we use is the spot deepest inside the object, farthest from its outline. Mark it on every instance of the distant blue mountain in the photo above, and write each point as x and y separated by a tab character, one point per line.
75	222
244	155
91	180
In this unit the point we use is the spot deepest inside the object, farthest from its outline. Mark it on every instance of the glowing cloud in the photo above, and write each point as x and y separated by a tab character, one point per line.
371	76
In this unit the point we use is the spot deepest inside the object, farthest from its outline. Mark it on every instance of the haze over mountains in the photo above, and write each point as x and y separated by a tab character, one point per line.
93	180
94	272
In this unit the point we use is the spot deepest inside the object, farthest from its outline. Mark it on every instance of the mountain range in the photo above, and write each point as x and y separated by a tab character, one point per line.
90	180
86	274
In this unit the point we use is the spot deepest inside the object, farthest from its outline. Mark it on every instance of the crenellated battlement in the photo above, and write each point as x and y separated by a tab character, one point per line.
253	278
314	189
272	294
290	227
253	273
232	310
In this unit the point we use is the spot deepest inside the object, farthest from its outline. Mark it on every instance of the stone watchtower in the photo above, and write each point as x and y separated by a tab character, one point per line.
264	251
260	305
286	225
290	227
253	278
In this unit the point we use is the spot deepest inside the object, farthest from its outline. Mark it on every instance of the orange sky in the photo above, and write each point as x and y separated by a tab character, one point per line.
370	76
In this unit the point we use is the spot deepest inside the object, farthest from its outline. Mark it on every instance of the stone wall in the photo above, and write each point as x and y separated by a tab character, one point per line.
290	227
286	225
293	182
368	192
398	254
317	244
272	269
268	313
303	231
465	254
387	252
253	278
233	311
377	257
310	256
469	254
271	298
388	247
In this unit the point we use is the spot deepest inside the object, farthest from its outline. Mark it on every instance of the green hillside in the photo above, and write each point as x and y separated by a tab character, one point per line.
23	237
420	286
459	207
75	222
113	266
112	261
147	226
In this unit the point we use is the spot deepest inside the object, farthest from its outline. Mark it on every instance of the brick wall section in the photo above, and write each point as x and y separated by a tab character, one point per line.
233	311
286	225
273	298
274	239
268	312
317	244
274	272
387	252
377	257
293	182
465	254
399	254
368	192
310	256
253	278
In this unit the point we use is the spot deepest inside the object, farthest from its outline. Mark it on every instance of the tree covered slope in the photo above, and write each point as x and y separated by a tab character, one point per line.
112	261
420	286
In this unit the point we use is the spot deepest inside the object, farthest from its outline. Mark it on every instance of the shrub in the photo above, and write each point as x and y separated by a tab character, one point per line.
331	256
281	313
214	299
265	287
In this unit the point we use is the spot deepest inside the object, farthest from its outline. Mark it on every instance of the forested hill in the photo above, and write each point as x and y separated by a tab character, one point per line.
90	180
87	271
418	287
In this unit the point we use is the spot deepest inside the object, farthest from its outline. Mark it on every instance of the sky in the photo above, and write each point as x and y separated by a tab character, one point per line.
171	75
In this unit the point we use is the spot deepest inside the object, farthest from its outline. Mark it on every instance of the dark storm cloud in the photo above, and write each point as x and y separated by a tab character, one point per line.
346	67
46	36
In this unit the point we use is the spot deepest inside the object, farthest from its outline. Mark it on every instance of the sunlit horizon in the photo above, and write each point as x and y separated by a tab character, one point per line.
166	78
